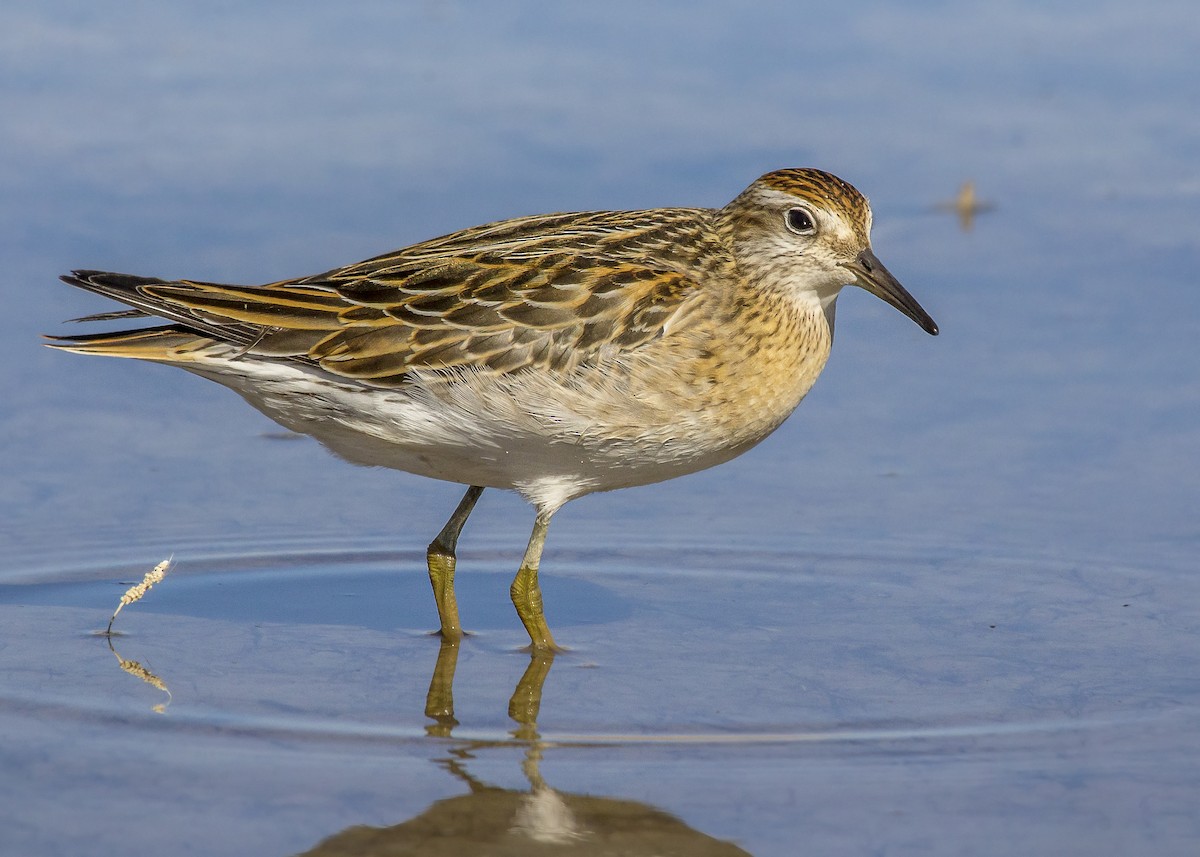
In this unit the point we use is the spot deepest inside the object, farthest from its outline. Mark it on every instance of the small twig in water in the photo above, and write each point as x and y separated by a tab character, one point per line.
135	593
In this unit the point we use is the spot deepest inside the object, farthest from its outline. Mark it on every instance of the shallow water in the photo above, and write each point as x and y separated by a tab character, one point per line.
737	690
950	607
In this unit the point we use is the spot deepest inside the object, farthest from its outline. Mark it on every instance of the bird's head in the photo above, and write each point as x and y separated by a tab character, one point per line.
809	232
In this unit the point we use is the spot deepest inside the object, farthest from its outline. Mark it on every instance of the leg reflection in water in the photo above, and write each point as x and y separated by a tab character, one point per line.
539	819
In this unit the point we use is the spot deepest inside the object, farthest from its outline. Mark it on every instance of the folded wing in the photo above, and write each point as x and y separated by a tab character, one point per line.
551	291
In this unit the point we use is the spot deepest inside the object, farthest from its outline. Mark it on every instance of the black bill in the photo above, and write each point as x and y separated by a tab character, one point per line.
870	273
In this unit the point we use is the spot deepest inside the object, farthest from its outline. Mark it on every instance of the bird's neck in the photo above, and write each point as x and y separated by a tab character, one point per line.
773	348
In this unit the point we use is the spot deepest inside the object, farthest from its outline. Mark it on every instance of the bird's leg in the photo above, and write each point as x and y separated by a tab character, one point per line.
440	558
526	594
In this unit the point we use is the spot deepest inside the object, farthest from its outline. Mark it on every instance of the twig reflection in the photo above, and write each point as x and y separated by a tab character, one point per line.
136	669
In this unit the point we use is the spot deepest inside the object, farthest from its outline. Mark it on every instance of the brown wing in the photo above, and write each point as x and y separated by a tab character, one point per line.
551	291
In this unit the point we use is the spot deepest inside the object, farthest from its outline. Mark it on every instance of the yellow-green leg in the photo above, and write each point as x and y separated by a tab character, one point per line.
441	561
526	594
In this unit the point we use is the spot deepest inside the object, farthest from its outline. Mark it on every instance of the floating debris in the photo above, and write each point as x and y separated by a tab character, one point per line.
136	593
966	205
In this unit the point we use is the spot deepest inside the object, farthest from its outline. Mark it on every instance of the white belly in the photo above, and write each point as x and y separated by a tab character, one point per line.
529	435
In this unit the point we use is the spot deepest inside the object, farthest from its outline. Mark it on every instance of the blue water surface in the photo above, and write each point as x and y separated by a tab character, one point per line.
950	607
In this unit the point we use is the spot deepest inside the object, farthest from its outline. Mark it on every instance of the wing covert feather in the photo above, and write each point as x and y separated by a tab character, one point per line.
552	291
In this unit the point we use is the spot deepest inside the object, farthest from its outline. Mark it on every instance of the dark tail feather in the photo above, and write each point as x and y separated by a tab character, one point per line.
121	287
130	289
117	315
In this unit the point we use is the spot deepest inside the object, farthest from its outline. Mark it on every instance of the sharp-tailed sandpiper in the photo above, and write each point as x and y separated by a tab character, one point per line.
555	355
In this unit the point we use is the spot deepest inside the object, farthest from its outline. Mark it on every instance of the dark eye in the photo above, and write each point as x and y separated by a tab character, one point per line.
800	221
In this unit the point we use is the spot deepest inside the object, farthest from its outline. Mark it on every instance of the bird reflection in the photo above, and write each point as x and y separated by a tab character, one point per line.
502	822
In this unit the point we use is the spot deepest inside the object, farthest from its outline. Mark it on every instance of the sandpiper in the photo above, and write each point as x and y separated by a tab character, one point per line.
554	355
